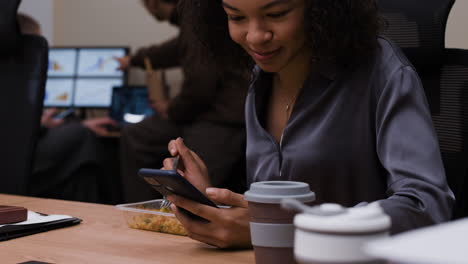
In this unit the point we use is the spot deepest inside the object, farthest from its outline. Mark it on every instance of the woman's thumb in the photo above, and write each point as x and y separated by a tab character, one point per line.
226	197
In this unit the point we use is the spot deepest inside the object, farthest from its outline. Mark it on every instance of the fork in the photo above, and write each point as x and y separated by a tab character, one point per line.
166	203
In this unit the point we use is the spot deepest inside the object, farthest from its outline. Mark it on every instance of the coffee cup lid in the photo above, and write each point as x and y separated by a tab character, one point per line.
274	191
363	219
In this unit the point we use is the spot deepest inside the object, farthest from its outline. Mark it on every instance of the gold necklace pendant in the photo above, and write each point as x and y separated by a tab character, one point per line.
289	108
288	105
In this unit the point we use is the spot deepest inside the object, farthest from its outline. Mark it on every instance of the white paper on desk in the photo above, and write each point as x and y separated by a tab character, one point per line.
442	244
35	218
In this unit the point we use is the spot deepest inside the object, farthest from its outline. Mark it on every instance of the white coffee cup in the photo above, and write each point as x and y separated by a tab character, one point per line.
333	234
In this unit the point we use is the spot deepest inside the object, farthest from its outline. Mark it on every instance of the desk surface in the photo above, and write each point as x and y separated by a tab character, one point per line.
103	237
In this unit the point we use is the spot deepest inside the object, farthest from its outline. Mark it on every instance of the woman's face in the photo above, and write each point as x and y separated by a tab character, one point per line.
271	31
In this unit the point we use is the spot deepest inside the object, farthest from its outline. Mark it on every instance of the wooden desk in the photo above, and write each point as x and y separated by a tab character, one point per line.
103	237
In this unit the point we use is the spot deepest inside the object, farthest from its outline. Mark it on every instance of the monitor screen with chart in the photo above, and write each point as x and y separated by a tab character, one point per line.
83	76
62	62
99	62
59	92
94	92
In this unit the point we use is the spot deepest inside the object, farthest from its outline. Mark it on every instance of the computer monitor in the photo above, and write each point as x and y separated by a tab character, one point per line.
83	76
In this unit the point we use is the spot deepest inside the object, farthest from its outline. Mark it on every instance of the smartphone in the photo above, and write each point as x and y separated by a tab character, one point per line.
64	113
169	182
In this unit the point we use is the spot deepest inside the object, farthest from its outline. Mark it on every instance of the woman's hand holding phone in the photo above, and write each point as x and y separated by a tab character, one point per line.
191	165
226	227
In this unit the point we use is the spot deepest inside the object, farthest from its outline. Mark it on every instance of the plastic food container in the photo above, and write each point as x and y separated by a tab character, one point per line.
148	215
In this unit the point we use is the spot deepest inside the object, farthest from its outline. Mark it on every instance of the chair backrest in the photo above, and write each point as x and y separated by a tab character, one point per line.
8	26
23	69
418	27
451	124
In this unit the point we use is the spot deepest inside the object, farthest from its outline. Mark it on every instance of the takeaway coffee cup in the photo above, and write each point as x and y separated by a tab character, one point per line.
332	234
271	227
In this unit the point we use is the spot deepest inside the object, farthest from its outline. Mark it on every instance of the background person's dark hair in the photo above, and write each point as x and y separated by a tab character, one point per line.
339	30
208	21
27	24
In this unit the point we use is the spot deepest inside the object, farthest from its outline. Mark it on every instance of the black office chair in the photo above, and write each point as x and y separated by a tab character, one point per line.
452	125
23	69
418	27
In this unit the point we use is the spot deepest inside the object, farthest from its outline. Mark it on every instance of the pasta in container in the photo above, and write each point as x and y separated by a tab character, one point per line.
150	216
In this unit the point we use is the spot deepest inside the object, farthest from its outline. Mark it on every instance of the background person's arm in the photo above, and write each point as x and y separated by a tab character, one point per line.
198	93
161	56
48	120
99	125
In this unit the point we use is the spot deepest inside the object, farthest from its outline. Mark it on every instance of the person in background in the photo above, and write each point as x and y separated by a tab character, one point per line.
331	104
208	112
67	162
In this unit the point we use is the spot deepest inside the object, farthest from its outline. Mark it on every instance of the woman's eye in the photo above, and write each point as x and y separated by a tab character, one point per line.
278	14
235	18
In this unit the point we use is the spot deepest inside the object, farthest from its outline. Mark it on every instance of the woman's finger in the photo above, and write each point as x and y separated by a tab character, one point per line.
188	156
199	161
172	147
167	163
190	160
226	197
204	211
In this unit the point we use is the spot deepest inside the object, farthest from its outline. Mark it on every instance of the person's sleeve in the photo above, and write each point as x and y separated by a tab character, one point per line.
197	94
407	146
165	55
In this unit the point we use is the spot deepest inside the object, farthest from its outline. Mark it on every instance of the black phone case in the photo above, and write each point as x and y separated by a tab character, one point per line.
169	182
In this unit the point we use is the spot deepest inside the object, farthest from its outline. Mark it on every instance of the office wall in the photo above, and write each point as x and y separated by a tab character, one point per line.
110	22
43	12
457	27
125	22
101	22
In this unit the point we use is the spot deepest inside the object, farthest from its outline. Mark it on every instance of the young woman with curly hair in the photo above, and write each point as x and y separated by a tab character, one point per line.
331	103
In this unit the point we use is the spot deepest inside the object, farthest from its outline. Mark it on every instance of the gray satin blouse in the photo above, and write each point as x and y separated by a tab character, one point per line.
356	135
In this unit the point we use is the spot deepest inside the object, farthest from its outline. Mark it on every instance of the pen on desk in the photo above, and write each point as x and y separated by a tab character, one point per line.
148	66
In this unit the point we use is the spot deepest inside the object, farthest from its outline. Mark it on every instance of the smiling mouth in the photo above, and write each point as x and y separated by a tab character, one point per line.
263	56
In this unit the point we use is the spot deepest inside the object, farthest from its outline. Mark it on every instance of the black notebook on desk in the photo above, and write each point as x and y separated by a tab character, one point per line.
36	223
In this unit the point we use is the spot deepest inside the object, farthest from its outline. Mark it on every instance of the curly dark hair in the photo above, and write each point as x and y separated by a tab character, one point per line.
338	30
